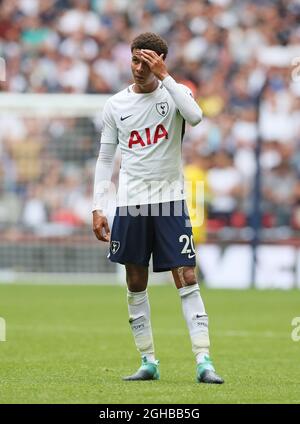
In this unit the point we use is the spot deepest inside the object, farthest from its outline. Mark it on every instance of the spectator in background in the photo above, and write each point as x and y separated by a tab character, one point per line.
296	209
198	197
10	206
198	192
280	188
226	186
34	212
225	51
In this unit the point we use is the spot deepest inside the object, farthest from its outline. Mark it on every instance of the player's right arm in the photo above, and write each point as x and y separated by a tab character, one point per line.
103	174
182	96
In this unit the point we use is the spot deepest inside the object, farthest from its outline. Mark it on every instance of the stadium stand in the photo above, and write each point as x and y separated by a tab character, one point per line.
226	51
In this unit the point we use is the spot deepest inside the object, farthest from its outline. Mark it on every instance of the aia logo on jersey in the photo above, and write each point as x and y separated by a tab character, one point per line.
162	108
136	137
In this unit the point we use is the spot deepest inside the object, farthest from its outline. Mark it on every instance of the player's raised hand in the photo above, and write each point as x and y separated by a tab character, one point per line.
100	226
155	62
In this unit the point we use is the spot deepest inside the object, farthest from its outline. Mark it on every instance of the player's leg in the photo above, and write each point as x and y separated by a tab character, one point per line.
139	319
197	322
131	245
139	310
174	250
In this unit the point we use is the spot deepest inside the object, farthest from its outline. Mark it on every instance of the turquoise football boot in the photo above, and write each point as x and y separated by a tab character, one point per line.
206	372
147	371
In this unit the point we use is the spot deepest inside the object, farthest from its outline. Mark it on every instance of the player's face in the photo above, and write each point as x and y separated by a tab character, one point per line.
140	70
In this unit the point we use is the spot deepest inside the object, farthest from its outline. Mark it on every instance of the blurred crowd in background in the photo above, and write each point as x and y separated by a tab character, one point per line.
229	52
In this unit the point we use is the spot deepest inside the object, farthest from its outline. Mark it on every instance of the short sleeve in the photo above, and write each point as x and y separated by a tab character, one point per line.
109	132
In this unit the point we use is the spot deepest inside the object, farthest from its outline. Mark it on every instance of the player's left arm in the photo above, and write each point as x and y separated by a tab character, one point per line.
181	95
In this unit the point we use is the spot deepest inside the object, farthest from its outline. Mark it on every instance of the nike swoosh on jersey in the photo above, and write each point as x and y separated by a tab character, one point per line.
125	117
191	256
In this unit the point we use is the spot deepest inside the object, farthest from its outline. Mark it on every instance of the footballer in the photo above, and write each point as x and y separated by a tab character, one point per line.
147	121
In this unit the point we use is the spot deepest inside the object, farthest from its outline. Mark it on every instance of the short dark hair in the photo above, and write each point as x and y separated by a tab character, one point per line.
151	41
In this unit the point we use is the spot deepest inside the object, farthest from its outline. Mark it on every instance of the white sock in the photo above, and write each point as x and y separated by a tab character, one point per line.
139	320
196	319
200	357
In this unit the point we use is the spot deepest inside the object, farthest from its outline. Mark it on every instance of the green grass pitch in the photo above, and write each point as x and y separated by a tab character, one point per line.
72	344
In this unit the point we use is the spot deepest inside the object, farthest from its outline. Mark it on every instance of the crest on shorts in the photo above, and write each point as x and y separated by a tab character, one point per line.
162	108
114	247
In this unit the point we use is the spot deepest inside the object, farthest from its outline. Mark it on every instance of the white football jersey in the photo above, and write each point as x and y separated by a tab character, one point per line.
149	129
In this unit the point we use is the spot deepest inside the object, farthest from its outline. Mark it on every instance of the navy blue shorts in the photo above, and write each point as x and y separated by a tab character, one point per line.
162	229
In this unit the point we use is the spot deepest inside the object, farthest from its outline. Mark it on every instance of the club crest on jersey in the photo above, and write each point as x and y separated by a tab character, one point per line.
162	108
114	247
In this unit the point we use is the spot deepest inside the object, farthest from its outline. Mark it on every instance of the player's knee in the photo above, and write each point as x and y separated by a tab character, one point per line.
133	282
189	276
135	286
136	278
